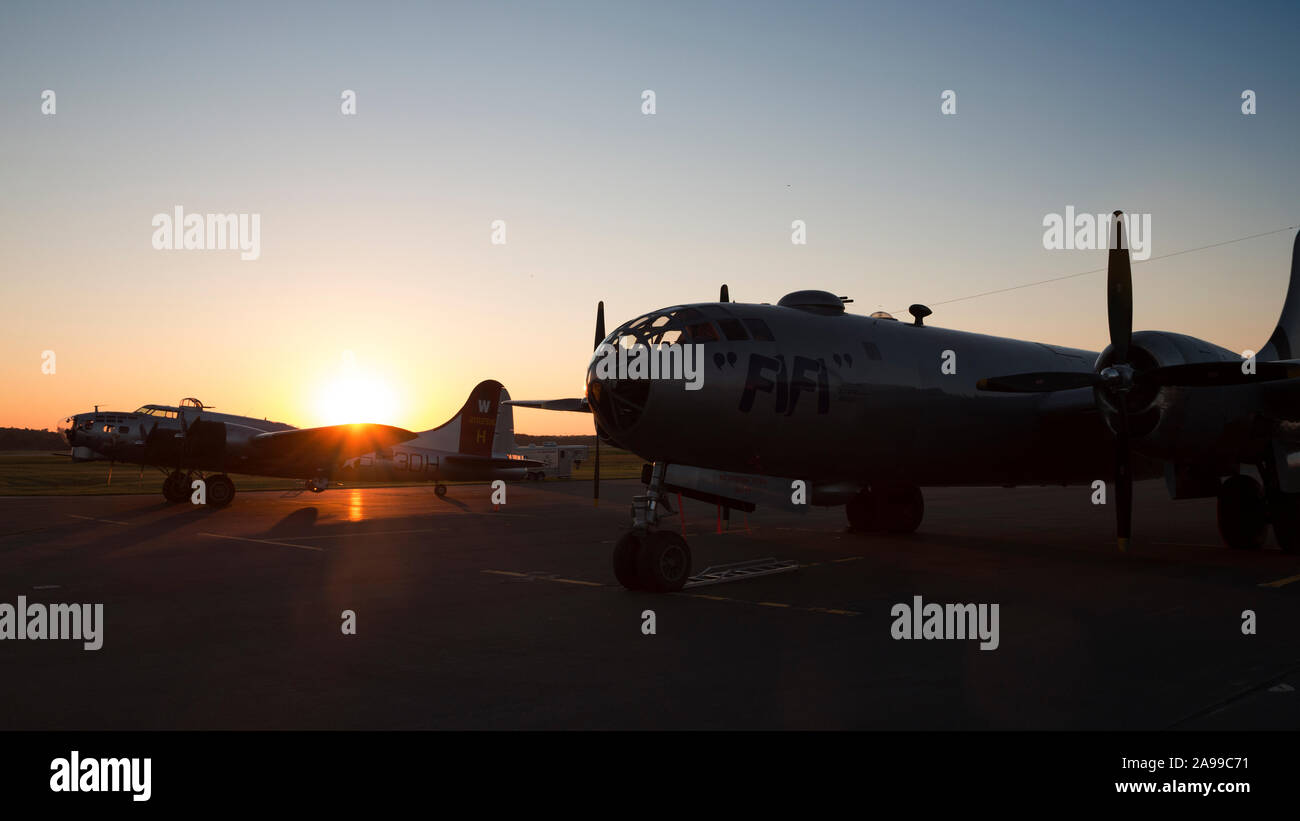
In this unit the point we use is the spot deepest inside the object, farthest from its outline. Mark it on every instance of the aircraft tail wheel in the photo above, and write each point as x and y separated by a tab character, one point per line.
664	562
901	507
221	490
441	490
175	488
861	510
1284	510
1243	513
625	556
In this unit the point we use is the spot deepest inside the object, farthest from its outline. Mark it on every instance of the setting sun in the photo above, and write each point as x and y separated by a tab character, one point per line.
355	396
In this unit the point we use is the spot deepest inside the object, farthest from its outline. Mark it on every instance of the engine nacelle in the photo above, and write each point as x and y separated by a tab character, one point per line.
1197	424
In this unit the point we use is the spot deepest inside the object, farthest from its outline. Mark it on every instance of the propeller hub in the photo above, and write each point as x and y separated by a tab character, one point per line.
1117	378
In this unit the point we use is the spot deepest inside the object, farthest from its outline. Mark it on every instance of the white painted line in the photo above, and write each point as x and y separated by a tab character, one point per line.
263	541
93	519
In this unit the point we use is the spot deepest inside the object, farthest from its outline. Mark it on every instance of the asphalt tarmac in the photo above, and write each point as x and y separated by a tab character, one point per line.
470	617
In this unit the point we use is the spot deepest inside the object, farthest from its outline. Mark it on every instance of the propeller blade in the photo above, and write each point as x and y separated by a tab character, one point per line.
1119	291
1216	374
595	474
724	296
1039	382
1123	483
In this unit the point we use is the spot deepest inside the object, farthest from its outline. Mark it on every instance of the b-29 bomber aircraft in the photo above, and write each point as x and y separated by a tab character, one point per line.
867	410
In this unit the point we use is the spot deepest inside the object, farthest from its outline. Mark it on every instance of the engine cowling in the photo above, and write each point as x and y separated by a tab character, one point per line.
1202	423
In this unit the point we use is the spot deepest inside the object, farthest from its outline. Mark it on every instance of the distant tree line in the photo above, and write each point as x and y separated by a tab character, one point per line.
31	439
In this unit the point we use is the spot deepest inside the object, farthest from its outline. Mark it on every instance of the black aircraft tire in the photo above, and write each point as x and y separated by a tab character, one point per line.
221	490
441	490
175	489
625	556
663	562
1284	510
900	508
861	511
1243	513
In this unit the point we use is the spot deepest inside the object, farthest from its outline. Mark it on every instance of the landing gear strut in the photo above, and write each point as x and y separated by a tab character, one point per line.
658	561
892	507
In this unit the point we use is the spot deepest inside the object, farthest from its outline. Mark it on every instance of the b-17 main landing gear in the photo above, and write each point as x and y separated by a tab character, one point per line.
176	487
658	561
894	507
221	490
441	490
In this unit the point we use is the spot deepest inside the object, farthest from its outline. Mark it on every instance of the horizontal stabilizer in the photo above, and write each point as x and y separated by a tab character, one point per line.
574	405
328	444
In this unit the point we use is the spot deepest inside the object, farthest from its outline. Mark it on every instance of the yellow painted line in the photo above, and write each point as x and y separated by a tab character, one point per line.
772	604
507	573
710	598
263	541
577	581
834	612
849	559
1282	582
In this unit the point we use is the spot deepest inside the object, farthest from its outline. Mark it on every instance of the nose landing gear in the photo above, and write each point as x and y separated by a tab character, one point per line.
658	561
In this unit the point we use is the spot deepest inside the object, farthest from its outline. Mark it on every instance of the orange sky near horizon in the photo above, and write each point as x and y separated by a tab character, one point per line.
378	292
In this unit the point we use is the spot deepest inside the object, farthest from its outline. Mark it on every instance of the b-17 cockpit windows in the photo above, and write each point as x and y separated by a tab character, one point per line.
153	410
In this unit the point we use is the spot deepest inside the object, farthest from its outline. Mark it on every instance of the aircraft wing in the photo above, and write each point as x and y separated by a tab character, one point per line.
574	405
333	443
1077	400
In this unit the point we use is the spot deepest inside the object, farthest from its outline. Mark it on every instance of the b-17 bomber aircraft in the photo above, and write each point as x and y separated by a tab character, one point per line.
189	441
865	411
